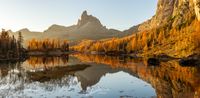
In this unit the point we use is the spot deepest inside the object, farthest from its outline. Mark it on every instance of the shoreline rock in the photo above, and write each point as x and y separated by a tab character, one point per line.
191	60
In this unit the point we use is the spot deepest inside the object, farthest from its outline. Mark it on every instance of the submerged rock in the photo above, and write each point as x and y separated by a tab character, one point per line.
192	60
188	62
153	61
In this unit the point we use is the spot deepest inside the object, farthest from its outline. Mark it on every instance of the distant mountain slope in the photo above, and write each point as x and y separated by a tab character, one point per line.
88	27
131	30
30	34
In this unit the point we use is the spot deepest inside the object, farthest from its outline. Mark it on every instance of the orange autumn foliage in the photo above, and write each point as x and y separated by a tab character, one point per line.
48	44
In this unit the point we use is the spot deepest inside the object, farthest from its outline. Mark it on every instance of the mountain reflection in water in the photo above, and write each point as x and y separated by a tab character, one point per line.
97	76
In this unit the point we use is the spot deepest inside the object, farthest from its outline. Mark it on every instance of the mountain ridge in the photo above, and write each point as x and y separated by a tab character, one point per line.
87	27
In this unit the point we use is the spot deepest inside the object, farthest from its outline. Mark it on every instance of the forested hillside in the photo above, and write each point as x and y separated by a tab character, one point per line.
177	34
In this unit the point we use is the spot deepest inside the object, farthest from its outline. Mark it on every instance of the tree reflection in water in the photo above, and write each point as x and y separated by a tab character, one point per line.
44	63
169	79
53	74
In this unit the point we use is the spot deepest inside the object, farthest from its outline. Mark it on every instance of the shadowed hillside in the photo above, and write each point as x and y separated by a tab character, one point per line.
88	27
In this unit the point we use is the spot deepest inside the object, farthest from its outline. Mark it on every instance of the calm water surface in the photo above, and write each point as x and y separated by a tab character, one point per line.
94	76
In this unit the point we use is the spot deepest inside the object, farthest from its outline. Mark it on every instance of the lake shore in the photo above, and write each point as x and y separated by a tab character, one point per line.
49	53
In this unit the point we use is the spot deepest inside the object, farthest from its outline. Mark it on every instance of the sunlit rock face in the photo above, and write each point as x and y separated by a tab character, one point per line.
88	19
197	8
175	11
164	11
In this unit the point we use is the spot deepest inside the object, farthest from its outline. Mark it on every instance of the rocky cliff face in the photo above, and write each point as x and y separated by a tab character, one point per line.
197	8
179	11
85	18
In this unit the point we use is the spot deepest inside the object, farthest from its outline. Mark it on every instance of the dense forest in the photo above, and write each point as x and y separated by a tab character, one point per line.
10	47
179	41
48	45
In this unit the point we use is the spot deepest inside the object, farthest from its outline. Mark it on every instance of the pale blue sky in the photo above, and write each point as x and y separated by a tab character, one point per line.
38	15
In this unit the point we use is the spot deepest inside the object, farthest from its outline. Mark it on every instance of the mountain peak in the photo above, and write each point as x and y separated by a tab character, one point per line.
84	14
85	18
